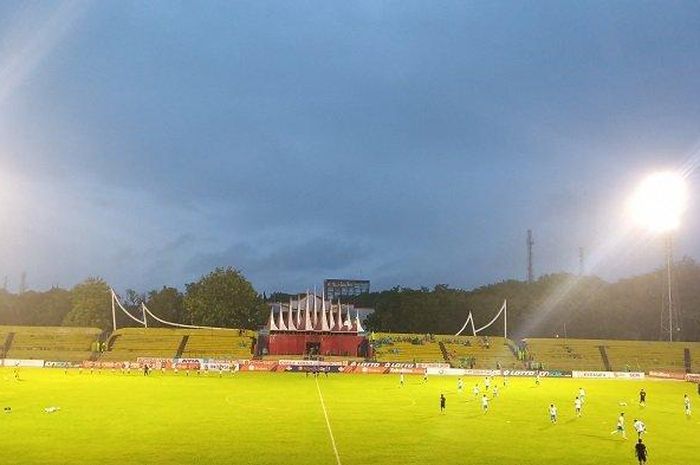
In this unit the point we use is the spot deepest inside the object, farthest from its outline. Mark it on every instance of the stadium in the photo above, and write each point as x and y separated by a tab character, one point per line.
349	233
312	386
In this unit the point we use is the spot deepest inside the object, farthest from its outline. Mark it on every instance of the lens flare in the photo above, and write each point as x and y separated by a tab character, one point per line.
659	202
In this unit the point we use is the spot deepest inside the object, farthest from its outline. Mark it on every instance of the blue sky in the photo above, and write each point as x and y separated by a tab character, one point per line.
409	143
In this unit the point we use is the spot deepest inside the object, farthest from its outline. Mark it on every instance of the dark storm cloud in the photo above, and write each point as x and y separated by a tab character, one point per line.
282	262
405	142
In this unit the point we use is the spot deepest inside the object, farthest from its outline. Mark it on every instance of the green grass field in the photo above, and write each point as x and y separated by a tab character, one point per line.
271	418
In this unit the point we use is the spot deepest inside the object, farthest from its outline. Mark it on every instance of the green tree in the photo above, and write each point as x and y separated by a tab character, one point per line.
166	303
8	315
131	300
43	308
224	298
90	305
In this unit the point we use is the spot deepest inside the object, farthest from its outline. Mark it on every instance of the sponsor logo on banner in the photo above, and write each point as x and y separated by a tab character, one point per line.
628	375
260	365
407	371
519	373
382	368
666	375
311	363
608	374
399	365
693	377
440	371
592	374
188	363
558	374
220	365
21	362
155	362
432	365
54	364
484	372
314	368
371	368
91	364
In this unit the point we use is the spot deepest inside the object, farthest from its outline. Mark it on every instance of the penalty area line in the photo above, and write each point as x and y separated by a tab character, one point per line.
328	423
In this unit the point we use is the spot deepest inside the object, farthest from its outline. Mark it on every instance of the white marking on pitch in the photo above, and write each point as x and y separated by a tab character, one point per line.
328	423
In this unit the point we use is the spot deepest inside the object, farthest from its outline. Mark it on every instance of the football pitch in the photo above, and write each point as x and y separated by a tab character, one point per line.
273	418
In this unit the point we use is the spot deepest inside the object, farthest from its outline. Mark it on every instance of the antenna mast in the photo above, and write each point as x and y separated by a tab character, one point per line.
530	243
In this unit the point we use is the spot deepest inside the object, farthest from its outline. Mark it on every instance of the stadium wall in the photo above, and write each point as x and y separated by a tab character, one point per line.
349	345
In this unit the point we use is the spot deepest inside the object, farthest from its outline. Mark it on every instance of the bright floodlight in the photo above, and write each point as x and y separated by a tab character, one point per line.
659	202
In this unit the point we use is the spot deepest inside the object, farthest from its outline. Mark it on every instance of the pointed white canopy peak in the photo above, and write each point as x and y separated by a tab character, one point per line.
315	315
340	315
290	317
331	318
298	313
348	319
271	322
280	320
307	316
360	329
324	320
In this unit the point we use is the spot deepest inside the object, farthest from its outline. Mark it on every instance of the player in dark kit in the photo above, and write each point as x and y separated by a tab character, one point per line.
442	403
641	451
643	398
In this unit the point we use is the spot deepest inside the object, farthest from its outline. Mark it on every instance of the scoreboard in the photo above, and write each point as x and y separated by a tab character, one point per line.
336	288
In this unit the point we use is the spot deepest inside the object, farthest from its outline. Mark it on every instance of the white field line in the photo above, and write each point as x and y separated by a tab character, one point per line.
328	423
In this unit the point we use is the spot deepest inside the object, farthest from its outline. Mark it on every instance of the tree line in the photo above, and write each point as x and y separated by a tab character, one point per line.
554	305
223	297
558	304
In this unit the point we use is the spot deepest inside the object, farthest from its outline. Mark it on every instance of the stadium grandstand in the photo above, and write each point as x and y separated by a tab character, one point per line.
127	344
481	352
48	343
416	348
613	355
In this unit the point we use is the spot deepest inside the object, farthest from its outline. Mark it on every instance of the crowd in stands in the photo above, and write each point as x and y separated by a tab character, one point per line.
98	346
378	341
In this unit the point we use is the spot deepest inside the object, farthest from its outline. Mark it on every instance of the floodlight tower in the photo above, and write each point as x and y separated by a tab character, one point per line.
530	242
580	261
658	205
673	314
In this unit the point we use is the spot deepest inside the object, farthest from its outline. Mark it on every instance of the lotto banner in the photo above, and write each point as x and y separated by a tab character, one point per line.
383	368
520	373
693	377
